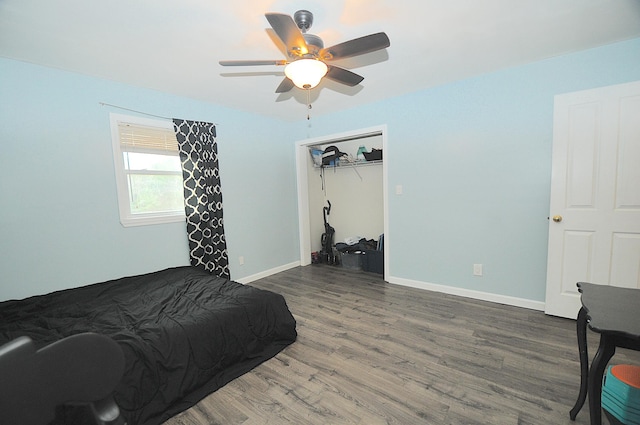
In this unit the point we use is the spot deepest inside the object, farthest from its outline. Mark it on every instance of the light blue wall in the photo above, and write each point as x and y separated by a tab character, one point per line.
473	157
474	160
59	218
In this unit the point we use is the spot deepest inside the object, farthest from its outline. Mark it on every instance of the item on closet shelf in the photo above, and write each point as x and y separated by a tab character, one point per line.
360	154
374	155
331	156
316	156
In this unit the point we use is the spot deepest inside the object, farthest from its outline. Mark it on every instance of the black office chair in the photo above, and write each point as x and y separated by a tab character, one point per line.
82	370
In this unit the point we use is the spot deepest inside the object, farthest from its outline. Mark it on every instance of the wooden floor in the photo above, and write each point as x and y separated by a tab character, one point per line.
373	353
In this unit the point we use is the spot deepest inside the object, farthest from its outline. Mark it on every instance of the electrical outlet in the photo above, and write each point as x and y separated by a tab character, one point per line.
241	260
477	269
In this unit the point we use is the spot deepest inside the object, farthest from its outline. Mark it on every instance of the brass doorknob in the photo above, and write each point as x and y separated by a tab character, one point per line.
557	218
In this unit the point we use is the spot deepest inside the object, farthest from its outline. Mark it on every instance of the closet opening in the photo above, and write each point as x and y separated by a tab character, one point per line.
353	179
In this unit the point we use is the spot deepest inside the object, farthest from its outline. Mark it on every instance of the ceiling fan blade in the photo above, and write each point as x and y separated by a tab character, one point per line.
253	63
357	46
343	76
285	86
289	33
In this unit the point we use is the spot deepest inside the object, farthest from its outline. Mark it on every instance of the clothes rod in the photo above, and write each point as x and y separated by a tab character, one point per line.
348	139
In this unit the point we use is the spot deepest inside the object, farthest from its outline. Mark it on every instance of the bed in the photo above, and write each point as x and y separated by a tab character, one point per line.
184	333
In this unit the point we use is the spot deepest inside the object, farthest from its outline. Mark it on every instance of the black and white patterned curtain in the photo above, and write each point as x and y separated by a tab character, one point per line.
202	195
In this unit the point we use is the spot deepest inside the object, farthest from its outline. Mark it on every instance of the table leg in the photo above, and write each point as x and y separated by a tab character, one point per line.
606	349
581	327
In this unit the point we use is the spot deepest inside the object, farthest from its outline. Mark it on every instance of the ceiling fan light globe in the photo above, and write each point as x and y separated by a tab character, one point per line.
306	73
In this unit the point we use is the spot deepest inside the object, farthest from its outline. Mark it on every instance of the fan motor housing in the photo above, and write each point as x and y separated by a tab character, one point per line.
303	19
314	42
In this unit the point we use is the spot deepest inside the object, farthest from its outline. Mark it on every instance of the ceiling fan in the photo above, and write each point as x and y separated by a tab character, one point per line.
308	60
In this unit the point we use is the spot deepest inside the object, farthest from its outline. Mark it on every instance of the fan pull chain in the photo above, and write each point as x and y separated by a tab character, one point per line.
308	104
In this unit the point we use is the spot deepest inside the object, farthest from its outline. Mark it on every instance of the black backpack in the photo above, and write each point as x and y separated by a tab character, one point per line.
331	154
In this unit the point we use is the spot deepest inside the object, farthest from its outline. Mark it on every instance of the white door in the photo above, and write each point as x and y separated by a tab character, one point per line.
594	220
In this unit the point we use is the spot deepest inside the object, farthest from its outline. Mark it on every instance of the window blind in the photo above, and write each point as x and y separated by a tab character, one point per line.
140	138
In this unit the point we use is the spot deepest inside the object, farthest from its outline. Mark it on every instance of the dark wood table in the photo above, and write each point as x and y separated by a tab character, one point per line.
614	313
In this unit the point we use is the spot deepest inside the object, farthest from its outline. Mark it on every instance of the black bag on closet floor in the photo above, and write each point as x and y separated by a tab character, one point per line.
362	245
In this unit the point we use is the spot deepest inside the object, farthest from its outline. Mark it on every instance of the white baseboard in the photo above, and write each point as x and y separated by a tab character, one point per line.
469	293
451	290
267	273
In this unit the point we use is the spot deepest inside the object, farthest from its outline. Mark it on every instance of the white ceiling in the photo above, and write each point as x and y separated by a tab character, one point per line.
175	45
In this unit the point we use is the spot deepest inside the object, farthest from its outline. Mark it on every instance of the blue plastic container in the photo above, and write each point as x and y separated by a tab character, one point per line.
621	393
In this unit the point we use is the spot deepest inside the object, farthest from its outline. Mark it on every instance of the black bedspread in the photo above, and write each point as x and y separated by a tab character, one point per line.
184	333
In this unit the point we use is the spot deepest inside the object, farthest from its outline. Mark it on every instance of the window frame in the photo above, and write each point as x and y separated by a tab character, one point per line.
127	218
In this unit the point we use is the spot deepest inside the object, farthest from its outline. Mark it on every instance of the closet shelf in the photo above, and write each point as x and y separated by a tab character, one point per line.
345	164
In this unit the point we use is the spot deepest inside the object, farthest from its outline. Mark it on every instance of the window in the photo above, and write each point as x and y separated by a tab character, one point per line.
148	171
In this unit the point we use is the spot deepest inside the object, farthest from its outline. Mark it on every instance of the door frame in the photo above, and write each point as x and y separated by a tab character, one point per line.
302	165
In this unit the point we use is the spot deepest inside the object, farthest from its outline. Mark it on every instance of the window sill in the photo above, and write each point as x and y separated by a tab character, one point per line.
148	219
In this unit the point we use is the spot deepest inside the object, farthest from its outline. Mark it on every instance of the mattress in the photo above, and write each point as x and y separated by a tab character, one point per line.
184	333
